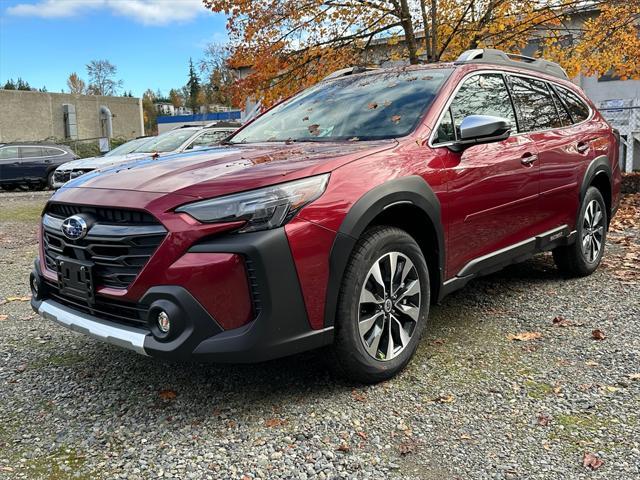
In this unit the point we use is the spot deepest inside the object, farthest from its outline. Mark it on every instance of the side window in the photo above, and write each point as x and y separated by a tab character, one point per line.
562	110
484	94
445	131
52	152
208	138
7	153
30	152
537	111
577	108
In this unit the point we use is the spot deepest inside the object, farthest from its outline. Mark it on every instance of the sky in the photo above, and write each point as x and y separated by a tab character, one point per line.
149	41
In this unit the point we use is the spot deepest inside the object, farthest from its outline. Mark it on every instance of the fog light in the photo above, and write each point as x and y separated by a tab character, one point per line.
164	324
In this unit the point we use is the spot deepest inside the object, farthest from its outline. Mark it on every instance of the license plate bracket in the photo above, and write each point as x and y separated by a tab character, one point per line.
75	278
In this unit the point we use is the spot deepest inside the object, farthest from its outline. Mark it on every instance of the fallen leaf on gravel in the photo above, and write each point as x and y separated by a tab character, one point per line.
465	437
598	335
167	394
525	336
635	376
543	420
591	363
591	461
21	368
15	299
3	317
362	435
445	399
407	447
6	469
274	422
343	448
560	321
358	396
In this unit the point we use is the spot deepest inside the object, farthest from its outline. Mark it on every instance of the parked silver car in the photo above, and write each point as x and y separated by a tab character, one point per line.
175	141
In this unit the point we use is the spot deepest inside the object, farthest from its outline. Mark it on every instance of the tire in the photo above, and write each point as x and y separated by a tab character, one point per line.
50	180
366	313
583	257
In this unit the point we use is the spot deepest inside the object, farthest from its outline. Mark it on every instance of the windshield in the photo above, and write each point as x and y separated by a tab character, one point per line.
167	142
127	147
363	107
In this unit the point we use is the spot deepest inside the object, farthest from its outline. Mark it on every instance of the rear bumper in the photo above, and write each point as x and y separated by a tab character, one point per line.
280	326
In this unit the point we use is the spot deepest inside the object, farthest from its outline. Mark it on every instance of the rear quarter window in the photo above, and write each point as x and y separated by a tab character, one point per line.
577	108
537	110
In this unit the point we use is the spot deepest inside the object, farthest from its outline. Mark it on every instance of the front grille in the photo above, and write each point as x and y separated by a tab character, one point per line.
119	243
102	214
107	309
62	176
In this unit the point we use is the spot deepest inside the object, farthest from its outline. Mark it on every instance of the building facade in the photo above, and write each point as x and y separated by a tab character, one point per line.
37	116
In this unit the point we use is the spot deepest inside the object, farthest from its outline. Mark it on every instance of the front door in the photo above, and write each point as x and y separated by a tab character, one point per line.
492	189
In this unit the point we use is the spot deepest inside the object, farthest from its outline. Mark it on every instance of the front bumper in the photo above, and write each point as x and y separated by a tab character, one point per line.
280	327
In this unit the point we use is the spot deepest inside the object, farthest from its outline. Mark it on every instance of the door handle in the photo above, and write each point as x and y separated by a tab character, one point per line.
583	147
528	159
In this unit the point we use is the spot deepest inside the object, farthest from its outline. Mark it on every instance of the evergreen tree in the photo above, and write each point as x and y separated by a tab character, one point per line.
10	85
193	85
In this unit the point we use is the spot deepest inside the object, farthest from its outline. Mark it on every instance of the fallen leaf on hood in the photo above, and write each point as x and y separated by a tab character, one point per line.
591	461
314	129
598	335
525	336
396	119
167	394
372	106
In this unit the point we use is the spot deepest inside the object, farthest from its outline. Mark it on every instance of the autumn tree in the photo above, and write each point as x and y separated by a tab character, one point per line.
76	84
293	44
175	97
149	112
217	74
102	79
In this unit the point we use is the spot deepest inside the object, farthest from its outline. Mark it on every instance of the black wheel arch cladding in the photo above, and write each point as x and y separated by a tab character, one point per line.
413	190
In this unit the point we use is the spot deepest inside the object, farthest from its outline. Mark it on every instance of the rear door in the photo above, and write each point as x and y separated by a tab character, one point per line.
9	164
561	148
34	163
492	189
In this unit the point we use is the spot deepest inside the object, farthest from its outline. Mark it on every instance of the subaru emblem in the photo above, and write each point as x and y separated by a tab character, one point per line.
74	227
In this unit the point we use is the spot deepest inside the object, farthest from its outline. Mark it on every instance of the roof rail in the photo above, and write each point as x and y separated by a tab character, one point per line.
498	57
348	71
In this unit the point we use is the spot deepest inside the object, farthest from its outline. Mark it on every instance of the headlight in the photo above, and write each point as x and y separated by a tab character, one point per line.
76	173
265	208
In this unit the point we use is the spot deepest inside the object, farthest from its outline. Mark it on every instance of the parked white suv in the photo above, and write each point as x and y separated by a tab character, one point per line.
176	141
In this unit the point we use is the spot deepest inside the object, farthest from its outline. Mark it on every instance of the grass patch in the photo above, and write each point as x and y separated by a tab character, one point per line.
20	213
61	464
538	390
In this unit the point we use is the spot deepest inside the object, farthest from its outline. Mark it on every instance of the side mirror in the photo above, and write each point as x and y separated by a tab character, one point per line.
477	129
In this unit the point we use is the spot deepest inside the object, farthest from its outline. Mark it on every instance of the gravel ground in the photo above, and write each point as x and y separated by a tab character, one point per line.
474	403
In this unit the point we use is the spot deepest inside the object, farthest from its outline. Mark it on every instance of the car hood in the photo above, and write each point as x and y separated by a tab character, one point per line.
92	163
220	170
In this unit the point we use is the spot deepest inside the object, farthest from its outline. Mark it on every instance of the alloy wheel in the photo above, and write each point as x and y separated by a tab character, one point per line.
389	307
592	231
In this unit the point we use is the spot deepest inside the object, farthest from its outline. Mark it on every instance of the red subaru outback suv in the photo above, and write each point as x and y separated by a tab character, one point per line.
336	217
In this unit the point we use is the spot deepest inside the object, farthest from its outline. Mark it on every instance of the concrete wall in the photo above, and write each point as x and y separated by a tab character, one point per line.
34	116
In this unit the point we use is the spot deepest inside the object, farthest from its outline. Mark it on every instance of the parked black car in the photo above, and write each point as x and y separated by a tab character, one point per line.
31	164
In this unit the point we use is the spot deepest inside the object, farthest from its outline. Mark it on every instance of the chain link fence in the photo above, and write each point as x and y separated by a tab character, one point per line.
626	119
